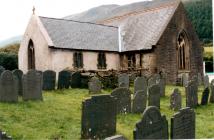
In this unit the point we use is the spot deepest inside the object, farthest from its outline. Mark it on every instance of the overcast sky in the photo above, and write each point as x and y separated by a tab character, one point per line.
15	14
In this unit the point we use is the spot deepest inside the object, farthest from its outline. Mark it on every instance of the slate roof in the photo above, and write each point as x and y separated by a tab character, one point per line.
69	34
140	26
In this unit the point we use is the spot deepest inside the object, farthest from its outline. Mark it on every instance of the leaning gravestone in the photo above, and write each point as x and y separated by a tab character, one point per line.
185	79
153	80
140	83
1	69
175	100
183	124
94	85
32	85
206	81
76	81
8	87
98	117
162	84
205	96
123	98
154	96
19	74
123	80
212	91
64	78
139	102
49	80
152	125
191	95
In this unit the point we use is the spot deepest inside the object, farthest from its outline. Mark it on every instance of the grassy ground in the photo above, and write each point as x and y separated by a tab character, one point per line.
59	116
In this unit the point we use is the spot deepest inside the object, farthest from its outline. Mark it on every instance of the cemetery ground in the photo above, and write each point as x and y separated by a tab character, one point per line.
59	116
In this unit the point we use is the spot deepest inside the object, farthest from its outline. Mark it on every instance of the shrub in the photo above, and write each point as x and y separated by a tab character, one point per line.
9	61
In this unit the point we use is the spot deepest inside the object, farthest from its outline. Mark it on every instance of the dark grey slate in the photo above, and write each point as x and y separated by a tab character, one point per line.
76	80
98	117
116	137
176	100
123	98
32	85
162	84
49	80
140	83
183	124
8	87
154	79
212	91
64	78
185	79
154	96
95	85
152	125
19	74
191	94
139	101
205	96
123	80
4	136
206	81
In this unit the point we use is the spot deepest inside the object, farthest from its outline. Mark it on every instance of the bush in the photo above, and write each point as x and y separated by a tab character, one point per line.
9	61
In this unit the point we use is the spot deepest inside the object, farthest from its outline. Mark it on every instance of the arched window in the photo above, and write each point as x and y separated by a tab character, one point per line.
101	60
78	60
183	52
31	55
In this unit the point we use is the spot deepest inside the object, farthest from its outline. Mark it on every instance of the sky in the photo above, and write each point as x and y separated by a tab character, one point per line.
15	14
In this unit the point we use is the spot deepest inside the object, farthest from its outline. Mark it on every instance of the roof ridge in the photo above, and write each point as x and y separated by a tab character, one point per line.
139	12
100	24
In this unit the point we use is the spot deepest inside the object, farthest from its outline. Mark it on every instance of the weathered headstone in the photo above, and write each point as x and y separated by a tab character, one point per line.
8	87
94	85
139	101
1	69
123	80
154	96
153	80
175	100
64	78
32	85
140	83
4	136
76	81
191	95
206	81
183	124
49	80
152	125
162	84
185	79
116	137
123	98
199	79
205	96
212	91
98	117
19	74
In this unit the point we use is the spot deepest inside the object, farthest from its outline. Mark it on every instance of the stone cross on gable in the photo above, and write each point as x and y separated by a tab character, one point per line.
34	9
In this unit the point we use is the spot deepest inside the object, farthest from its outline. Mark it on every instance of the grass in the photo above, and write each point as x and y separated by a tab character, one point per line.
59	116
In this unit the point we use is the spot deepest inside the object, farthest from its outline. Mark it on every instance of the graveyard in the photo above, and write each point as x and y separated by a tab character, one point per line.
58	116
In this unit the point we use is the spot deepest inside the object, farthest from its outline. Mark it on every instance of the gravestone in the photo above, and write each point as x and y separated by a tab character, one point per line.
152	125
64	78
116	137
191	95
123	80
206	81
49	80
32	85
139	101
199	79
4	136
76	81
162	84
205	96
94	85
183	124
140	83
176	100
212	91
98	117
19	74
185	79
8	87
1	69
123	98
154	96
153	80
